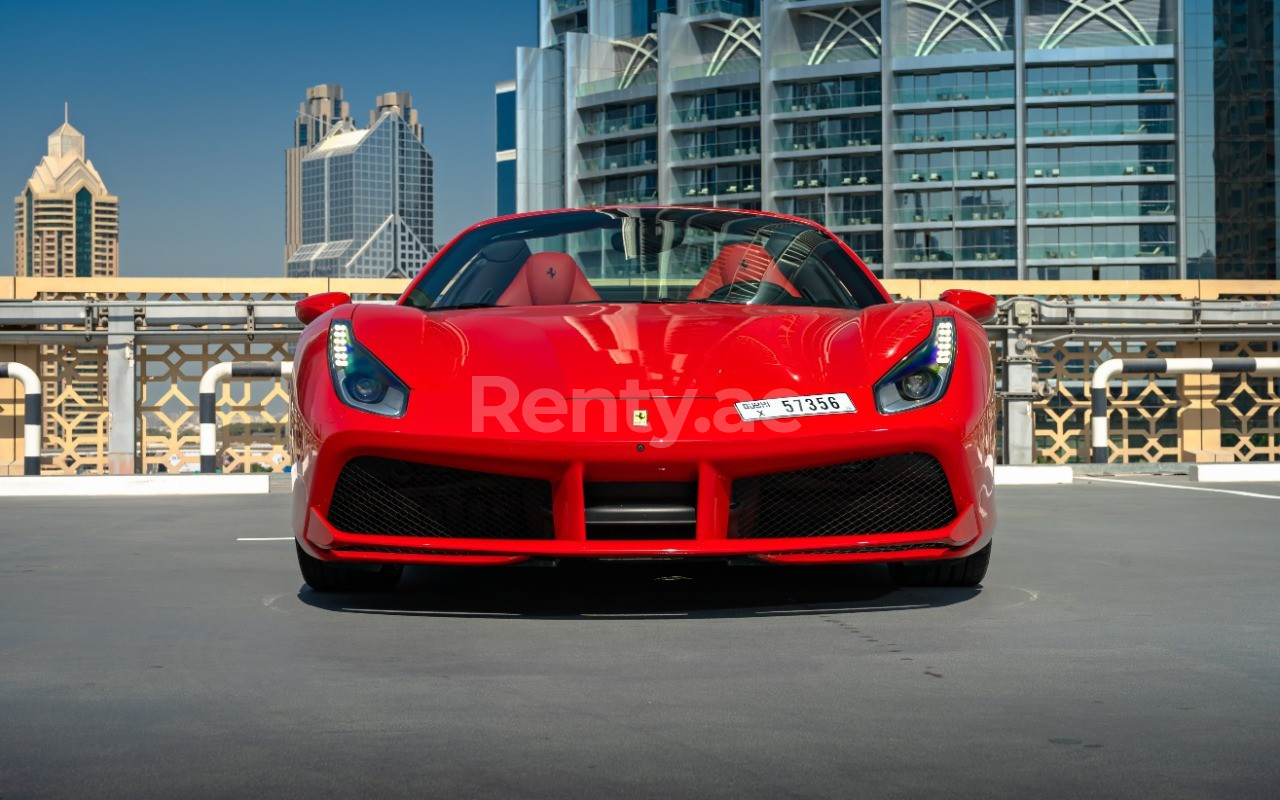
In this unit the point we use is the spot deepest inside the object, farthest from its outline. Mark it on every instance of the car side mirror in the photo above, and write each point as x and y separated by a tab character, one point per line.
309	308
981	307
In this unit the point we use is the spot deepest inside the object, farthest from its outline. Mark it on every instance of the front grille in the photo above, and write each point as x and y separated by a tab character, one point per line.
641	510
904	492
405	498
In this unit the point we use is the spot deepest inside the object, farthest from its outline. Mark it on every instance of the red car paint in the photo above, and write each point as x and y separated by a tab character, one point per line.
680	351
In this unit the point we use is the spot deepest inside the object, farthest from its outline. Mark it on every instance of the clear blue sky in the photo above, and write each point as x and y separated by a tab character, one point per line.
187	108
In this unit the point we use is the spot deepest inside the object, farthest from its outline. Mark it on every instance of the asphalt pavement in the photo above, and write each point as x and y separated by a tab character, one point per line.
1126	643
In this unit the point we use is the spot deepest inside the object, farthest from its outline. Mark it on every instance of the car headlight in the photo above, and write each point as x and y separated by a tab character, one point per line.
359	379
920	378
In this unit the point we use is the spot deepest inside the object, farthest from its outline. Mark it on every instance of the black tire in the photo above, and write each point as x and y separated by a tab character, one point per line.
957	572
325	576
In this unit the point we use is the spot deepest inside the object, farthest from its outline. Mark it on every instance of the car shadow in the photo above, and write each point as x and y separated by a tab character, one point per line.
645	590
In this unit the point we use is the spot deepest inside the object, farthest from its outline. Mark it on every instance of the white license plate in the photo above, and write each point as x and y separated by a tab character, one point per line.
809	405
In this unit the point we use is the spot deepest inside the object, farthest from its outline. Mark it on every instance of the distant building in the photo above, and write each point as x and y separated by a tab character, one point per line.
397	101
505	115
368	207
1049	139
66	224
323	109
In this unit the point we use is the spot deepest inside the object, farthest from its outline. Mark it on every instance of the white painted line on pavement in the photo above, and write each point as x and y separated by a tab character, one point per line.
264	539
1180	487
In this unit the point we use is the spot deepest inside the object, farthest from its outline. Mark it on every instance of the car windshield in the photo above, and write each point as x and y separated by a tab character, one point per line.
645	255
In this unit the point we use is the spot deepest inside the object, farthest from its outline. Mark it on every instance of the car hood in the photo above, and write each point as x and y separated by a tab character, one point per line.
675	349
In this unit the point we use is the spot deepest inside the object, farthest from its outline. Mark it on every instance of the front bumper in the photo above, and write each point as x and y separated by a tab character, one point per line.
712	465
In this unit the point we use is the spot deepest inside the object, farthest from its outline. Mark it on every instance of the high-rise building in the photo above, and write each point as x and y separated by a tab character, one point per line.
1232	76
368	208
504	101
1089	139
323	109
66	224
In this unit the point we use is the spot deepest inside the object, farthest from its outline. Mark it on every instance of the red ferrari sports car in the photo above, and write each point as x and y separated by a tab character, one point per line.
643	383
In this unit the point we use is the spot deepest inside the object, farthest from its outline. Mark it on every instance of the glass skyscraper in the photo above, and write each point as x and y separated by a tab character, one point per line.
322	110
367	199
1072	139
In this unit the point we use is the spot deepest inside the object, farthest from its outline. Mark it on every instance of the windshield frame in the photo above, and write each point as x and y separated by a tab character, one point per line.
432	283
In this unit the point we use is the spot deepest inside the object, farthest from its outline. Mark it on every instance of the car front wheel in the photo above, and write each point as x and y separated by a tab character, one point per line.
958	572
325	576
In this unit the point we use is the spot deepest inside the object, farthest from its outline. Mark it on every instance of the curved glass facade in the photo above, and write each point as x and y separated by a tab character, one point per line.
1084	139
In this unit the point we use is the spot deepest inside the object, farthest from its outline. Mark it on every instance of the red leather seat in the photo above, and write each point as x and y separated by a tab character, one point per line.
741	262
548	279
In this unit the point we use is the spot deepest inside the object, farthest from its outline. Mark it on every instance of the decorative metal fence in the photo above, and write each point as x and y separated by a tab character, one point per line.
121	360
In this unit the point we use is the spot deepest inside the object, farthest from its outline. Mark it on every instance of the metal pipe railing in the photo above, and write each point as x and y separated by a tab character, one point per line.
1161	366
208	407
31	418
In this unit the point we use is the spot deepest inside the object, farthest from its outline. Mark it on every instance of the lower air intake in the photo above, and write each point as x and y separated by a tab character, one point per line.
404	498
905	492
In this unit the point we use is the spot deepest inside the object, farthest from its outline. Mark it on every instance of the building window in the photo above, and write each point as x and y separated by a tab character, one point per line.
31	213
506	116
506	187
84	234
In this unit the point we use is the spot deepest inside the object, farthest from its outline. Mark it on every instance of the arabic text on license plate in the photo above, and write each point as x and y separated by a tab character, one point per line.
803	406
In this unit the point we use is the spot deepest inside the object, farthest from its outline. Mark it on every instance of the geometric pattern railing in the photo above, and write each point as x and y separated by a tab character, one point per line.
1146	408
252	415
1153	418
1246	409
75	407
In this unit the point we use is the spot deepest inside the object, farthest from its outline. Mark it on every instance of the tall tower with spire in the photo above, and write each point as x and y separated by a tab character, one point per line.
66	223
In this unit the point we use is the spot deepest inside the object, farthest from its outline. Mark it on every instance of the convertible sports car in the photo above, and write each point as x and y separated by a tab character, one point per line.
643	383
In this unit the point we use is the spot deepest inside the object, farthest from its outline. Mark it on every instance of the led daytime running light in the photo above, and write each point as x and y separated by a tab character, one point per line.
944	336
340	344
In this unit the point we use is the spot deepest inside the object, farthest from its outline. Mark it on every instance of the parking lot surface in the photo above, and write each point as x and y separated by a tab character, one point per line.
1126	643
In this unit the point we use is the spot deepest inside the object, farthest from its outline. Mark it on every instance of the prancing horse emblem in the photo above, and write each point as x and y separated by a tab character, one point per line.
640	418
551	272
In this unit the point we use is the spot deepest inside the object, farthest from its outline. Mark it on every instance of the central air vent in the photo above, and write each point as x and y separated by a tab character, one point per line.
642	510
893	494
404	498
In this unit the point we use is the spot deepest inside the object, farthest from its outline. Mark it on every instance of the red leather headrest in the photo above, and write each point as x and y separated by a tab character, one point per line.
741	262
548	279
